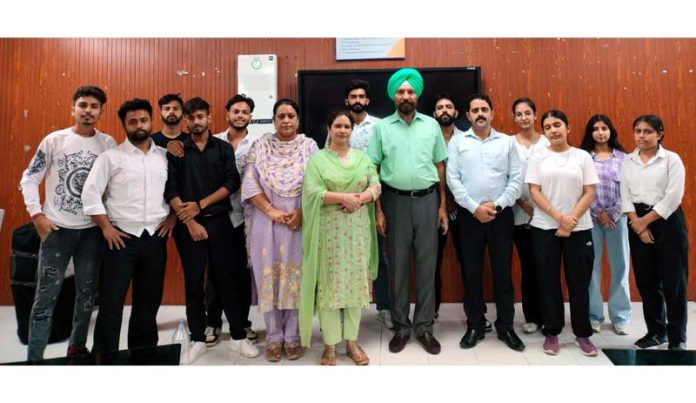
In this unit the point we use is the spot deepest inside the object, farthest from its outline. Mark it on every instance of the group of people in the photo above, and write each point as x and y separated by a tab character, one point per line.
272	220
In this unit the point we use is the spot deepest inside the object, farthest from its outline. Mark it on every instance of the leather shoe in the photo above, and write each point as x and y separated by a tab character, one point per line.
429	342
398	342
509	337
471	337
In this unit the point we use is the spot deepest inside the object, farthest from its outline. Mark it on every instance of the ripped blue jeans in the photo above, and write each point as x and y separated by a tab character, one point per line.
85	247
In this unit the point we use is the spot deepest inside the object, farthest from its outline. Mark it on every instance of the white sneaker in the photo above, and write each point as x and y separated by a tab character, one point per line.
621	329
212	336
245	347
596	326
196	350
530	327
384	316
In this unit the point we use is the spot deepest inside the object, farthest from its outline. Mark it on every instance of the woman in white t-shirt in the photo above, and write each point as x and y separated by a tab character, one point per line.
527	141
561	182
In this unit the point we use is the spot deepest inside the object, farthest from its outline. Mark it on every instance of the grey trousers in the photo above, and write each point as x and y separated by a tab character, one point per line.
411	227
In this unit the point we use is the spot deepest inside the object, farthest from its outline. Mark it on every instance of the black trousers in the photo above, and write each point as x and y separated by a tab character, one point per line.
530	285
661	271
474	237
213	305
233	280
578	257
143	260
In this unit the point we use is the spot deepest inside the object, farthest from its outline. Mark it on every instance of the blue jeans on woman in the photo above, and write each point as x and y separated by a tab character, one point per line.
85	247
619	294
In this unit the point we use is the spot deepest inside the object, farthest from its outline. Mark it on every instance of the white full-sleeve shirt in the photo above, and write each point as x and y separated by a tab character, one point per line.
64	158
127	185
658	183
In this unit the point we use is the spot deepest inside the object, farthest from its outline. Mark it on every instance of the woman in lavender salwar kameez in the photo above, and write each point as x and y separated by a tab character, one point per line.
272	199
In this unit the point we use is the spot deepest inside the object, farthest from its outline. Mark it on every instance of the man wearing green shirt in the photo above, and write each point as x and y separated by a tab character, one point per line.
410	152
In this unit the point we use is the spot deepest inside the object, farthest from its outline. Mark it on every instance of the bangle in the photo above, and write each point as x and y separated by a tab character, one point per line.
198	203
37	214
268	207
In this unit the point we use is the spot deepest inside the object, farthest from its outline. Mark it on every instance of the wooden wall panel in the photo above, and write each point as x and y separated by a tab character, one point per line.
619	77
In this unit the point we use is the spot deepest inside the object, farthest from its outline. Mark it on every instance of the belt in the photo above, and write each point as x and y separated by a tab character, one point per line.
642	207
411	193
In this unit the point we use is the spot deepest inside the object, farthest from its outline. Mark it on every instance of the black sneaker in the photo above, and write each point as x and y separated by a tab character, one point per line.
212	336
650	341
678	346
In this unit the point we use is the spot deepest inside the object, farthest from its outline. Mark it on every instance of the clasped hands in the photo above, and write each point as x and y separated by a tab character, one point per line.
568	222
350	202
640	226
292	219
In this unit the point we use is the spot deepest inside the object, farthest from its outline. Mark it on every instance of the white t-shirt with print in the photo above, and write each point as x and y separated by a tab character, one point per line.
561	177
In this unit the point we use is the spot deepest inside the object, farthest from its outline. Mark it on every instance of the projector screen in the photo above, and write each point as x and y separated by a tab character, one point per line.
321	91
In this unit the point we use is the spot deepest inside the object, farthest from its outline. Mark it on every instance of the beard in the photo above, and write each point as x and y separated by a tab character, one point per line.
198	129
236	126
407	107
445	120
171	119
138	136
357	107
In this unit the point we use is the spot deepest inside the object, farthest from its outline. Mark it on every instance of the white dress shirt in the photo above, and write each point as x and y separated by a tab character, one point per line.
658	183
128	185
483	170
237	212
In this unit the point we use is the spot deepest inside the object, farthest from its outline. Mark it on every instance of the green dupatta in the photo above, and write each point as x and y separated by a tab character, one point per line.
326	164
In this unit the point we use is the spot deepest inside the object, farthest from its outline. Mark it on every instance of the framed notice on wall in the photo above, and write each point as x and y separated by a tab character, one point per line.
370	48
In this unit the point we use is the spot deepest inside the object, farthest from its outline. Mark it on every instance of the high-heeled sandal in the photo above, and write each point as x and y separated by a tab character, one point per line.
356	353
273	352
329	355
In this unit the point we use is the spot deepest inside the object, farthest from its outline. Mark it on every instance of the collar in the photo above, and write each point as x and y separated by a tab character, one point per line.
494	135
395	117
188	143
661	153
128	147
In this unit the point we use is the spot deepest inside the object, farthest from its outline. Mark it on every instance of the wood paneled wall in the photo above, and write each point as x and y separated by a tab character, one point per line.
622	78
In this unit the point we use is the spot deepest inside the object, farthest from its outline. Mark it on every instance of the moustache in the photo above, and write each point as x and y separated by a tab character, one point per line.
481	118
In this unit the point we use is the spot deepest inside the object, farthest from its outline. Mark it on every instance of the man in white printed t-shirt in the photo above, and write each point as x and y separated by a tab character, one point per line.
64	158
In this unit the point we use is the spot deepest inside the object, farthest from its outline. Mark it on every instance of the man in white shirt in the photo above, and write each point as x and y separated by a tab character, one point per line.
483	174
124	194
64	158
239	112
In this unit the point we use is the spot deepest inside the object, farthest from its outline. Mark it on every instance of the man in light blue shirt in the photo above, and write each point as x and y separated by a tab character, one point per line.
484	176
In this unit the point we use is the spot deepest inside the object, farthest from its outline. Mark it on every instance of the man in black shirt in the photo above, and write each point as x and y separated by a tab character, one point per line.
171	110
198	189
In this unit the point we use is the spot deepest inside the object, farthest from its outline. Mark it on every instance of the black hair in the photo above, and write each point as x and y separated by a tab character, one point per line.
240	98
653	121
523	100
476	96
588	142
341	112
196	104
169	98
286	101
357	84
90	91
554	113
135	104
443	95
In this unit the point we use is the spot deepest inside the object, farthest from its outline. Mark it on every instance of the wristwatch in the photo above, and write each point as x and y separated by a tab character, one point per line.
498	209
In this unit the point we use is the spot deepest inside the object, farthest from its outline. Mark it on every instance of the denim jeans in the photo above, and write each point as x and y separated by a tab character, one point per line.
619	293
85	247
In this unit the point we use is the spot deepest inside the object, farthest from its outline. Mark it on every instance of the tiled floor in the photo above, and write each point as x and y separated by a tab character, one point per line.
374	338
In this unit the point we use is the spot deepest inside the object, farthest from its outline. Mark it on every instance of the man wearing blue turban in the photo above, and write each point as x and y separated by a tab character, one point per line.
410	152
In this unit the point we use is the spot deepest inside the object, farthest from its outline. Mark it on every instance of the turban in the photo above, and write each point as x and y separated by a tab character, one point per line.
411	75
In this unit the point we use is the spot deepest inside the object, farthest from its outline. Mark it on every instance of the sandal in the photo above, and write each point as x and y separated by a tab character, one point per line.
329	356
293	350
273	352
356	353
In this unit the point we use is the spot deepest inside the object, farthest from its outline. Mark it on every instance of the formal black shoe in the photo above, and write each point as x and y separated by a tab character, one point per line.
471	337
489	325
429	342
398	342
511	340
677	346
